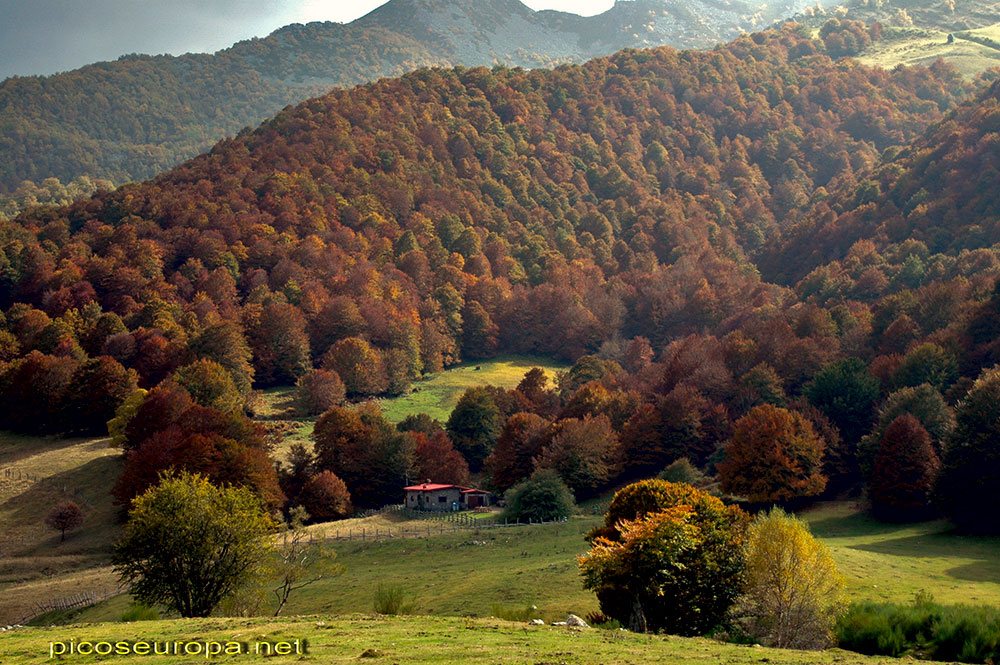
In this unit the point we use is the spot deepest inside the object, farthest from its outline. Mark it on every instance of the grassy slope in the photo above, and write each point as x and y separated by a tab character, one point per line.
893	561
34	564
435	395
916	46
425	640
438	394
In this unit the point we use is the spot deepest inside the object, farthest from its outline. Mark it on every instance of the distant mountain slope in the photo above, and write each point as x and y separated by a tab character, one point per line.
130	119
938	195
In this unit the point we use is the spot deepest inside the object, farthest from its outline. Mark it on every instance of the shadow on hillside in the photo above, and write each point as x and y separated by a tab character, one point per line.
980	571
89	486
15	448
855	524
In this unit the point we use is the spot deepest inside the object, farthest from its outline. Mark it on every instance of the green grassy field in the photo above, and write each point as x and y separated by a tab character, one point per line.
425	640
437	395
892	562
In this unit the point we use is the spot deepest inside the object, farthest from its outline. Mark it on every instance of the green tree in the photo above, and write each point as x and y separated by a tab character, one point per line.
123	415
209	384
793	590
927	363
543	496
474	425
676	568
972	458
188	544
846	392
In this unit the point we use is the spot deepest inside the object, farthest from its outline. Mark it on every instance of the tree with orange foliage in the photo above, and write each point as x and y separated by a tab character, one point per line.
325	497
774	455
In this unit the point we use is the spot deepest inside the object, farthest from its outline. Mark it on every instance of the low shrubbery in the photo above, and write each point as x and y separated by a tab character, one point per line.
923	629
391	599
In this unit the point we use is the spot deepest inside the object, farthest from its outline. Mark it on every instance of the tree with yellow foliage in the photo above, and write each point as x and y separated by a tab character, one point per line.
793	591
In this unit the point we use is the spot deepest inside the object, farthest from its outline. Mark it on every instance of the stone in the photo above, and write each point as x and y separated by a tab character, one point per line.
574	620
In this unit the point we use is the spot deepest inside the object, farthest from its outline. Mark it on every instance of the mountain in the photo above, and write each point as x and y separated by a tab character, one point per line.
452	213
135	117
711	237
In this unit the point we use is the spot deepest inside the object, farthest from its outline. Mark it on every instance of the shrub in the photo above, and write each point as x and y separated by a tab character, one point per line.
522	614
675	566
391	599
682	471
964	633
139	612
543	496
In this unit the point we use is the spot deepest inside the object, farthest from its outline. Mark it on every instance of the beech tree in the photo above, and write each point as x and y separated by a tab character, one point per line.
675	566
905	471
474	425
793	591
972	460
358	365
317	391
437	460
325	497
520	442
188	544
774	455
585	453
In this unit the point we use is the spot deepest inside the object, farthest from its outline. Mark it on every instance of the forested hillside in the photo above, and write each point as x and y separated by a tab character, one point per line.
612	214
135	117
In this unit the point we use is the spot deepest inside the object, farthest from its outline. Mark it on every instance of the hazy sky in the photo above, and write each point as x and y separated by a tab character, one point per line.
46	36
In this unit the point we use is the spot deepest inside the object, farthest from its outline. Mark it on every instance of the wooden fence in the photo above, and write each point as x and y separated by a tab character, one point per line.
432	527
76	601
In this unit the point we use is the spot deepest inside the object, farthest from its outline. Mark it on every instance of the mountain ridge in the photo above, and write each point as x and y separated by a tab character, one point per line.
132	118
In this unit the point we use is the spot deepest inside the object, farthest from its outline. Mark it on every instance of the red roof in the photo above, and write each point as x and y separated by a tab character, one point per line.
474	491
429	487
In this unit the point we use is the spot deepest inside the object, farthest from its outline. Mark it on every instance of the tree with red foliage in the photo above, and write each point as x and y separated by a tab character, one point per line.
437	460
65	517
906	469
520	441
325	497
34	389
682	423
220	458
162	408
277	337
363	449
774	455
